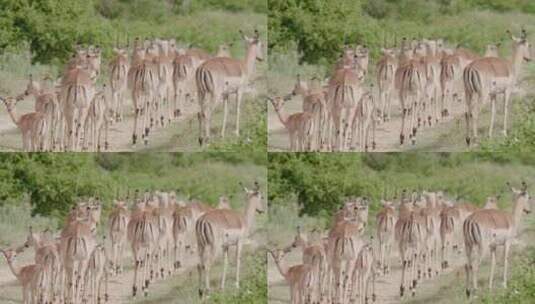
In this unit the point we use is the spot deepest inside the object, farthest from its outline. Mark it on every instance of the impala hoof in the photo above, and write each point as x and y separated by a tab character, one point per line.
468	141
401	139
401	291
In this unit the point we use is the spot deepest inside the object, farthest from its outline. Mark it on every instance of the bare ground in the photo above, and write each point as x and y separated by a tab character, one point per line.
447	287
448	135
181	287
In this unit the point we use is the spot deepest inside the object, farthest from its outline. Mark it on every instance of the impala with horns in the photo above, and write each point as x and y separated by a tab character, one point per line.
485	78
220	77
487	229
220	229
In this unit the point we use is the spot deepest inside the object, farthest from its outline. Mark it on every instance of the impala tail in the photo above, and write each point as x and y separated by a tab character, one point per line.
472	81
205	81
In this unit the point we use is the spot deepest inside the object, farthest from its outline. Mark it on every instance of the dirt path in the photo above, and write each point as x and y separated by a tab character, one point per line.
448	135
387	287
180	287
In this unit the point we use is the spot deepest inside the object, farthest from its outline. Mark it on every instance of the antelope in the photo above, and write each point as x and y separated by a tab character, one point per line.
362	273
97	275
386	69
315	257
219	77
344	245
300	125
163	214
362	58
184	219
492	50
98	119
77	93
410	236
450	78
164	62
486	78
142	78
33	126
184	67
48	258
364	123
30	277
431	214
77	245
409	83
344	93
450	232
219	229
300	278
119	67
386	219
118	222
485	230
314	103
142	233
46	102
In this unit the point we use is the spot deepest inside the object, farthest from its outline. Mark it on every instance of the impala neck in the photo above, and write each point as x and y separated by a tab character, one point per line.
282	115
282	268
13	269
516	61
13	116
249	215
250	59
517	211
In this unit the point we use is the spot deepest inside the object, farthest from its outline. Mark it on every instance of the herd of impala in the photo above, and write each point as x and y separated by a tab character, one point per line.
75	114
73	266
340	266
425	76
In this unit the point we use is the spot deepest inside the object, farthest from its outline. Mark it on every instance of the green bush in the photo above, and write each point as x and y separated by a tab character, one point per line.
254	289
320	182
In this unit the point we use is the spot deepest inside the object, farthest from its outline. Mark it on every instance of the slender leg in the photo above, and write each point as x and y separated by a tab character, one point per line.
225	113
492	266
493	113
507	97
239	96
238	261
225	265
505	263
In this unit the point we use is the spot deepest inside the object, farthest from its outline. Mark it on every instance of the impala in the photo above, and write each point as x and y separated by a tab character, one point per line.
409	83
344	93
142	233
386	219
386	69
118	222
486	78
219	77
77	92
46	102
487	229
118	67
300	278
32	125
30	277
300	125
219	229
314	103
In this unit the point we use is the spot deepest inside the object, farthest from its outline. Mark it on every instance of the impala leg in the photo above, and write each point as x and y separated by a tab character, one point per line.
238	262
507	97
225	265
505	262
493	113
492	266
239	96
225	113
